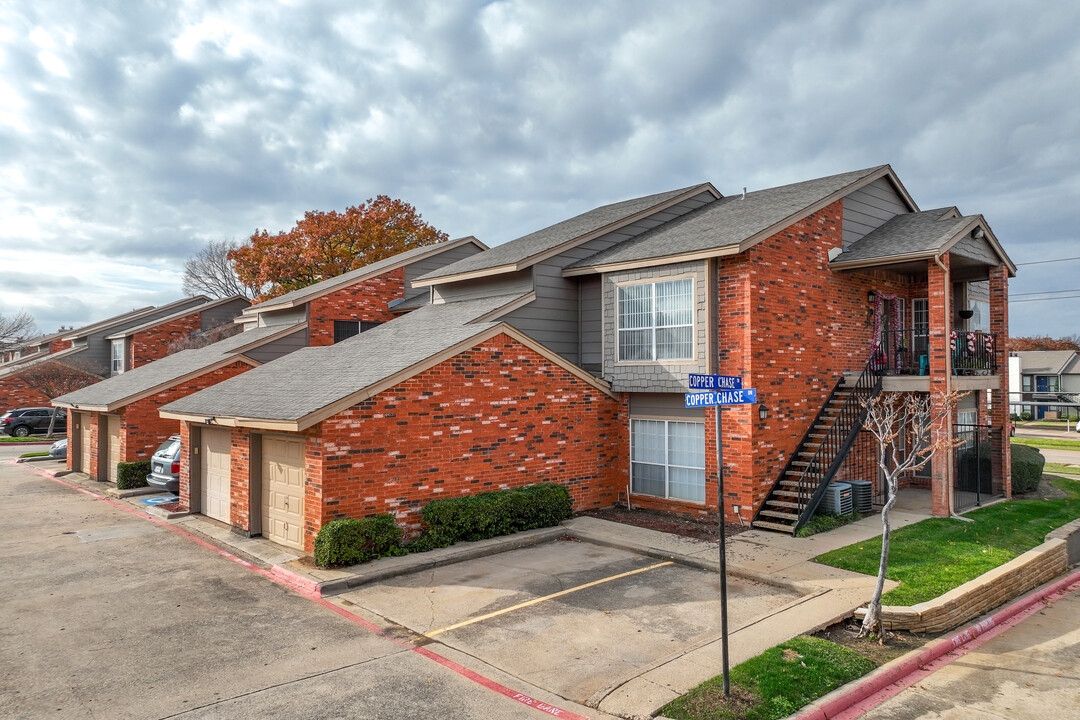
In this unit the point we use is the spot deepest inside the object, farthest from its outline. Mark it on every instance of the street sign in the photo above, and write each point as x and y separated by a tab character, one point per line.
721	397
715	382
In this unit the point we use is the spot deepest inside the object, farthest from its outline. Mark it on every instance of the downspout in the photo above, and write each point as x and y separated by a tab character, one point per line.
948	376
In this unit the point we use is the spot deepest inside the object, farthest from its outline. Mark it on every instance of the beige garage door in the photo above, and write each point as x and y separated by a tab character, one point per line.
216	473
84	443
114	446
283	491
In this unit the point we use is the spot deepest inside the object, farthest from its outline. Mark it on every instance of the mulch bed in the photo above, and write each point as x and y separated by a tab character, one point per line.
173	507
686	526
1045	491
896	643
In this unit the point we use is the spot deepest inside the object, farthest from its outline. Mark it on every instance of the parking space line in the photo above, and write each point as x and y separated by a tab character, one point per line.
536	601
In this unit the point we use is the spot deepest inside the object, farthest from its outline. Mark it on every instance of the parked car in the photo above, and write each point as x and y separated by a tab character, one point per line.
58	449
165	465
29	421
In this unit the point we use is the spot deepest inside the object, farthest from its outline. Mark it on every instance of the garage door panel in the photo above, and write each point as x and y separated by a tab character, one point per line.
84	443
113	427
283	491
215	452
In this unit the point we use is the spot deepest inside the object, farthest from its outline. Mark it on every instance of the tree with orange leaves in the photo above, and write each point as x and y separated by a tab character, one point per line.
326	244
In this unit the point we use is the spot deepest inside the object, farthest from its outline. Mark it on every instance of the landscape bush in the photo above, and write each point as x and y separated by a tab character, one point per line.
350	541
490	514
132	474
1027	468
1025	416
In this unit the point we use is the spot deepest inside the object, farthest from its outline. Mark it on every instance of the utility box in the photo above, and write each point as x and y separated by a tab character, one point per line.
837	499
862	495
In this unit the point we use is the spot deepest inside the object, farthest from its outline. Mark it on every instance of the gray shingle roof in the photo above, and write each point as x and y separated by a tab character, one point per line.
209	305
168	369
1045	362
306	293
908	234
727	221
135	315
541	241
310	379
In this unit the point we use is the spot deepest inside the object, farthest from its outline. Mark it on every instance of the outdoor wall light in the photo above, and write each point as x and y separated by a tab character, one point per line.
871	296
209	421
762	412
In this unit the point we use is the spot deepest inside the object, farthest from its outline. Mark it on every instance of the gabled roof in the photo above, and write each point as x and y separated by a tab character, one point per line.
128	332
145	380
1047	362
534	247
17	366
324	287
732	224
916	236
282	394
132	316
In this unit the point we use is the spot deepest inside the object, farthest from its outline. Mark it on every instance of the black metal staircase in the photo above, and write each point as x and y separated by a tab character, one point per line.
796	494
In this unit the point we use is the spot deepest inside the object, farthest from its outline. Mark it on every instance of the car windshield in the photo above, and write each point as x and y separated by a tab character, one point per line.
5	416
168	448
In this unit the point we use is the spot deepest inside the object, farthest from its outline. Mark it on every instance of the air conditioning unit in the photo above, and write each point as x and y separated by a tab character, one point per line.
837	499
862	496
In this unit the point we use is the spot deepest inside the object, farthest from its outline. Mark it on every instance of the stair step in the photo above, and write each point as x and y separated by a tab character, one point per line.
784	504
778	527
793	517
786	493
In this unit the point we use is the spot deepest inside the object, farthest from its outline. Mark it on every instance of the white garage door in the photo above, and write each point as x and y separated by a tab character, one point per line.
84	443
216	473
113	426
283	491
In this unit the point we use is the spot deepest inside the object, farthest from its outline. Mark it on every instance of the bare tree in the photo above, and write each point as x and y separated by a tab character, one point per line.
202	339
210	271
53	379
924	417
16	329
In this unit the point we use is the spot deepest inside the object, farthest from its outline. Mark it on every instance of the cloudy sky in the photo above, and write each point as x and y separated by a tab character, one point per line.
131	133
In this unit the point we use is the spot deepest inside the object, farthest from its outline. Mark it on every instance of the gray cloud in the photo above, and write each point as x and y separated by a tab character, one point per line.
145	131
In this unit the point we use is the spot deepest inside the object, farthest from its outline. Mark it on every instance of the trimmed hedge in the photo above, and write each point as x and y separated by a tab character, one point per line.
1027	468
494	513
132	474
350	541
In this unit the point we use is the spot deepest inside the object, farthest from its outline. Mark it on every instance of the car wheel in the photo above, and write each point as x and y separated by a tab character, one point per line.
21	431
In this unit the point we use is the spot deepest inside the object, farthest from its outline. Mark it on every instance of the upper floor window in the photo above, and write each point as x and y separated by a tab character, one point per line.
656	321
345	329
117	357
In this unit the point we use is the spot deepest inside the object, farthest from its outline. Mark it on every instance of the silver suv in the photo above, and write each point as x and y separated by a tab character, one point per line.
165	466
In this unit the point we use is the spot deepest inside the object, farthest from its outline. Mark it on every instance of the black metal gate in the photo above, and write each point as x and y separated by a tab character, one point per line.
973	477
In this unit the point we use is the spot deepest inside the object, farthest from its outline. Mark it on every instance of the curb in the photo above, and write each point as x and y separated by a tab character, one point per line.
842	699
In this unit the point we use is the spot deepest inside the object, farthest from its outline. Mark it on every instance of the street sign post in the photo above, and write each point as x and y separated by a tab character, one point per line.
721	390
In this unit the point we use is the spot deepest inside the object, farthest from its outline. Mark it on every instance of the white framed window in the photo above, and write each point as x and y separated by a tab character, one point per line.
667	459
656	321
117	357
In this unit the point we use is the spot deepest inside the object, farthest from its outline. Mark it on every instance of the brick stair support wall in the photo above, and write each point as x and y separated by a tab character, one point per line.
790	327
365	300
153	343
990	590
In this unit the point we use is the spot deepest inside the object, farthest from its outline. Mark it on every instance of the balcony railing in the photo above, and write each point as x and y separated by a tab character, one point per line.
907	352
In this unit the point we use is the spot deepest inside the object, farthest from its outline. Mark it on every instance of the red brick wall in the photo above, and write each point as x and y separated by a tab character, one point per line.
151	344
14	393
362	301
58	345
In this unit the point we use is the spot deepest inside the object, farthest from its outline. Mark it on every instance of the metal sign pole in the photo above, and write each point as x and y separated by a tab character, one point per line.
723	548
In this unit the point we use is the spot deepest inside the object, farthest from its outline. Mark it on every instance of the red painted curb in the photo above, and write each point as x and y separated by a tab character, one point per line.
310	589
866	688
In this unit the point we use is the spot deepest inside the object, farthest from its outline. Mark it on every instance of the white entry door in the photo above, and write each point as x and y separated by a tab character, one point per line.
283	491
216	472
113	426
84	443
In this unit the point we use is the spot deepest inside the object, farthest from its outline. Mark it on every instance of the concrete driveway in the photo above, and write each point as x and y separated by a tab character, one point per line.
106	614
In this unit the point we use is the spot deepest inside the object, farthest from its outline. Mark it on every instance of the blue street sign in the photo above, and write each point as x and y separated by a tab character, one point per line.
721	397
715	382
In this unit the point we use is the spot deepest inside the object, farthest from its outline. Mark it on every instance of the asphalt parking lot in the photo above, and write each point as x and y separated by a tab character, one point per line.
573	618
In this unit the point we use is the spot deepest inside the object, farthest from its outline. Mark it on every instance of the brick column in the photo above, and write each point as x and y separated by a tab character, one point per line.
939	286
1001	449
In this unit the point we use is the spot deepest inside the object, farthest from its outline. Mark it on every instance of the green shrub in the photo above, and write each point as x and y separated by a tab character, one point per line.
1027	468
1025	416
132	474
490	514
349	541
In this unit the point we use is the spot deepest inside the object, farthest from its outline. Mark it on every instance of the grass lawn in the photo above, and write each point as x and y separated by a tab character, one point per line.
774	684
1060	469
34	454
936	555
31	438
1050	443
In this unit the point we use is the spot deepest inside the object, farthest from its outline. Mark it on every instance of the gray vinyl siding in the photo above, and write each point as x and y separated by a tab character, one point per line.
98	354
504	284
283	317
430	264
223	314
552	318
591	322
974	249
667	406
868	208
280	347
